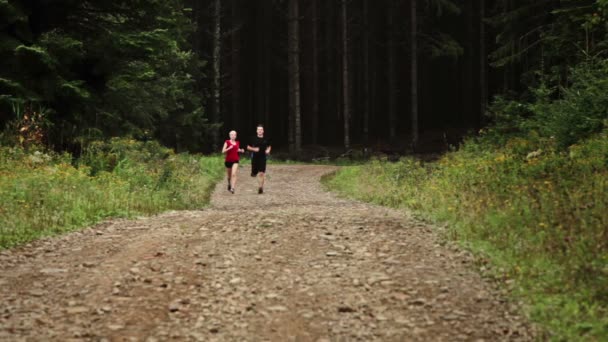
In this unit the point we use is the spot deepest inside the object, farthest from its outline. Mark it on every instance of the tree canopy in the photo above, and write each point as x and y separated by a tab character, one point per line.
101	68
177	71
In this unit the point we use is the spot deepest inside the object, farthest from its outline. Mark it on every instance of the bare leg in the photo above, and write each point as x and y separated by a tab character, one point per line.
235	168
261	179
228	175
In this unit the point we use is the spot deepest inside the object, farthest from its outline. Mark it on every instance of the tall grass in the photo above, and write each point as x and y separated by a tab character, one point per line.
44	193
540	215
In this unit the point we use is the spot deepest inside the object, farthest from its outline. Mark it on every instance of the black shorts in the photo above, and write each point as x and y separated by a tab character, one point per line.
257	165
229	164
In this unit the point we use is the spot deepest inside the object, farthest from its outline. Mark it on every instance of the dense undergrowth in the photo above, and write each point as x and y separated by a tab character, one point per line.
542	219
44	193
529	195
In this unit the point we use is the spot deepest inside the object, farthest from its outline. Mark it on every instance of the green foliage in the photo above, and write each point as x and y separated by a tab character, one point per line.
549	35
9	14
42	193
9	86
115	68
65	48
104	156
441	7
566	115
35	58
538	214
442	44
434	41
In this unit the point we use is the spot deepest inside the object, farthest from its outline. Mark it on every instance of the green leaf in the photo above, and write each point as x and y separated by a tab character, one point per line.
34	59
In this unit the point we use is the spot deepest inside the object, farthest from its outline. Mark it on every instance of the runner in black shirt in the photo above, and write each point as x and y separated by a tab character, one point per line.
260	146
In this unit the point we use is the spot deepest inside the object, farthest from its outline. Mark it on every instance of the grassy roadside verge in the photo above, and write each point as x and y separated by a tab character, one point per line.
44	194
538	217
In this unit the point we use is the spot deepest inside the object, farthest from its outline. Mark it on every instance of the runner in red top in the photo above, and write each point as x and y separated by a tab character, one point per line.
231	149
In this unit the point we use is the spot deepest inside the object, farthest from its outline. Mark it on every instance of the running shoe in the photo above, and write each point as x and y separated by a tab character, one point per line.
260	191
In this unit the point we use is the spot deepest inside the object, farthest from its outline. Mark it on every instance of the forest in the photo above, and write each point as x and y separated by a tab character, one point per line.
489	117
397	75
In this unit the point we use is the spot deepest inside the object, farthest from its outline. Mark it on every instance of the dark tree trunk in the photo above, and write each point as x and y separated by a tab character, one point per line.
366	82
345	76
469	56
391	72
315	72
331	74
196	17
263	66
236	63
483	81
217	46
509	68
414	72
294	76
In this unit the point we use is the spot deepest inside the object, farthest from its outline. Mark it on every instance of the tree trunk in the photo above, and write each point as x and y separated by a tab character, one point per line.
330	75
469	55
483	82
366	81
345	82
217	44
236	63
315	72
263	67
266	65
414	72
391	74
294	76
196	18
509	68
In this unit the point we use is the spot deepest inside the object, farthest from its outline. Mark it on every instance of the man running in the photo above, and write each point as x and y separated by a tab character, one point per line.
260	146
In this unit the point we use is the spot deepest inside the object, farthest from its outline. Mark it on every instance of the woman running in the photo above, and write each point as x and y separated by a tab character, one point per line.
231	149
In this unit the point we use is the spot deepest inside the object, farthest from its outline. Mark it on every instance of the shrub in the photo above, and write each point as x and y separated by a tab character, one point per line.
567	114
44	193
538	213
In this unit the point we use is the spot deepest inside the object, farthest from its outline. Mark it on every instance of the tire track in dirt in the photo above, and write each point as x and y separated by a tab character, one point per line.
293	264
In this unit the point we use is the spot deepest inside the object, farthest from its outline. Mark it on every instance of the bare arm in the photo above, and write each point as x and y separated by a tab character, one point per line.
253	149
224	149
268	149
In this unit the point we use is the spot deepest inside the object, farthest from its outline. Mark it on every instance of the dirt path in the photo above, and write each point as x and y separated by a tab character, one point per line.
293	264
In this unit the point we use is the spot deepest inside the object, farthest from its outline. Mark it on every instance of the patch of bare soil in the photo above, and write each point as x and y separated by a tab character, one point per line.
293	264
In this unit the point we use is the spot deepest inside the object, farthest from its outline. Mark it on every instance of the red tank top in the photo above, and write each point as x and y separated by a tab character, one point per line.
232	155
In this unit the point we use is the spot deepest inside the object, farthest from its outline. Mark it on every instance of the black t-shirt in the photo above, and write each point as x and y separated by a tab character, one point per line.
262	143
